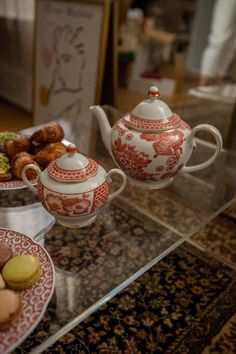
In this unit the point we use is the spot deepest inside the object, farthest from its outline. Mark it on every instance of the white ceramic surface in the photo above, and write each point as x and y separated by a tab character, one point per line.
11	218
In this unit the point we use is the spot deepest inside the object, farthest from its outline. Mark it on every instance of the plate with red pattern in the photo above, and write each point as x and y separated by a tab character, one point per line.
15	184
34	299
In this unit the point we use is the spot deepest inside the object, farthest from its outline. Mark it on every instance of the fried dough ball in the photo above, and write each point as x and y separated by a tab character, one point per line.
4	177
13	147
50	153
19	161
36	147
51	133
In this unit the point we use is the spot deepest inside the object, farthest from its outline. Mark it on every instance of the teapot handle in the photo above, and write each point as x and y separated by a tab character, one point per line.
109	180
26	180
218	138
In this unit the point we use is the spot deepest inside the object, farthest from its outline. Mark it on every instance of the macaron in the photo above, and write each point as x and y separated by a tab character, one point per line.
10	308
21	272
5	253
2	283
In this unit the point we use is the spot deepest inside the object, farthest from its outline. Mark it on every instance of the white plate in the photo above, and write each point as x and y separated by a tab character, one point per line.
34	299
14	184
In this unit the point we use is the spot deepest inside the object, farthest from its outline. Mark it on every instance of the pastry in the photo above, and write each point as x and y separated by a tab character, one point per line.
50	153
2	283
5	168
5	253
19	161
51	133
13	147
10	308
6	135
21	272
35	147
4	177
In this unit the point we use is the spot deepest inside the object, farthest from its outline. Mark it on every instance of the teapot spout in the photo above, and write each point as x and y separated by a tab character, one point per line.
104	125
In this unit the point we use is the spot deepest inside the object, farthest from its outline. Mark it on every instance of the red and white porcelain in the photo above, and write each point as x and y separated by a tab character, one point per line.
34	299
74	188
152	144
14	184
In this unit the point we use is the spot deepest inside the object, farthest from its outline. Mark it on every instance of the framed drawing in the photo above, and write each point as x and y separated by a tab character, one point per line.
71	40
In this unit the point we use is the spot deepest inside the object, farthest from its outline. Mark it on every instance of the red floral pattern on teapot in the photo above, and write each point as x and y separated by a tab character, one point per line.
135	163
74	188
152	144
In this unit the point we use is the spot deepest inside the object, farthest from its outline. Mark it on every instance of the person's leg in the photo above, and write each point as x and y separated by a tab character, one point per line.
218	54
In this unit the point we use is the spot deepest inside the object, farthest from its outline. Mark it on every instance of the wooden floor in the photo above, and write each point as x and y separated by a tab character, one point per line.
13	118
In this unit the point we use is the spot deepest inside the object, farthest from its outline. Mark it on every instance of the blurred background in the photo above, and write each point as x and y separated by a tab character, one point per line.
181	46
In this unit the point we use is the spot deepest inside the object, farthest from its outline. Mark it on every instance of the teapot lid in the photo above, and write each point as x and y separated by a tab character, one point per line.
72	166
152	114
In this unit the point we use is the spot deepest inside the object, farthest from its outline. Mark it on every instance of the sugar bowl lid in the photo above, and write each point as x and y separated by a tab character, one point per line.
72	166
152	114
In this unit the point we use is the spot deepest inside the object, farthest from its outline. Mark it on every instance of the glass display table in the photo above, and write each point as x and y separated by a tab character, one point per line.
130	235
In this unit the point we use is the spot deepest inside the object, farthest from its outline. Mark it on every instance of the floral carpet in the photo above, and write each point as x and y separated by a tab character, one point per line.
176	307
184	304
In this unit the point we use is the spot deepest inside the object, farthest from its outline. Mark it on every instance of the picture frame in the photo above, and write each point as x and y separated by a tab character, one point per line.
110	80
70	52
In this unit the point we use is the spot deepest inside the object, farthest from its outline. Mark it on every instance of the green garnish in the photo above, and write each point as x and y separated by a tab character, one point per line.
4	164
7	136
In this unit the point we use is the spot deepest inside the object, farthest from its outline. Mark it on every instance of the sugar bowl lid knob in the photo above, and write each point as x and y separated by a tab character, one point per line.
71	149
153	92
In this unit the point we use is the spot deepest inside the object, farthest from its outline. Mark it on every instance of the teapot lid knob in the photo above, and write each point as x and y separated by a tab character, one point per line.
153	92
72	149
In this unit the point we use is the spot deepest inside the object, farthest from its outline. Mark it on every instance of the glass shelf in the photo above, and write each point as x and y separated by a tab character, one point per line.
129	236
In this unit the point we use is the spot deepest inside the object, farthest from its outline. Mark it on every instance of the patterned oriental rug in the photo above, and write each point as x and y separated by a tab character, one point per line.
185	304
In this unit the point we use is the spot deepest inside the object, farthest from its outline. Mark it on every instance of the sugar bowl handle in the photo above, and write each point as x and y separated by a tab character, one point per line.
215	132
109	180
26	180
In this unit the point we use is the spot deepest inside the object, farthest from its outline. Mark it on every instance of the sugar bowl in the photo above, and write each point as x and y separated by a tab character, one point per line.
74	188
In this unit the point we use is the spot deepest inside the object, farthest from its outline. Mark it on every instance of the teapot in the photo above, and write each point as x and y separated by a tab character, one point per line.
152	144
74	188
